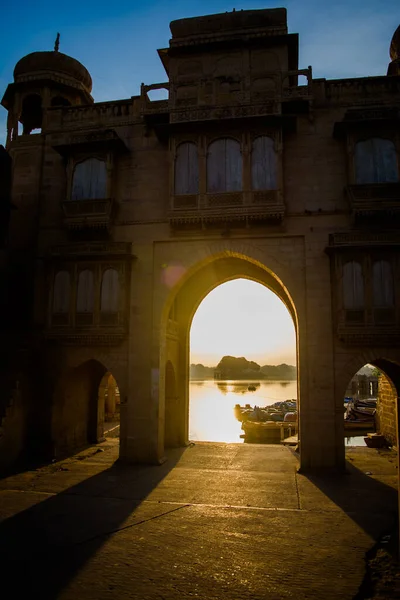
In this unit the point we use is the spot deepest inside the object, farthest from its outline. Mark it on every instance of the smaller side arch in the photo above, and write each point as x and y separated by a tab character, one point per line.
32	113
78	408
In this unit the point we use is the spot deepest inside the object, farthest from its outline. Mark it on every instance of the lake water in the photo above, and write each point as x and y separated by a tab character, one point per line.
211	416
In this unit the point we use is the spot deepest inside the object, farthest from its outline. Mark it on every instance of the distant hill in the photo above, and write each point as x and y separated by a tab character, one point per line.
232	367
199	371
276	372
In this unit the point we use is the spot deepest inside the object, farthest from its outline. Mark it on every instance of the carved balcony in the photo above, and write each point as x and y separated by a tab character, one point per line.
226	207
374	199
97	328
366	327
343	240
101	114
88	214
203	100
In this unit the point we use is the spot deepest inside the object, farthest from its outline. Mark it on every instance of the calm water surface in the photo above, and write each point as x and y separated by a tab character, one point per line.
211	415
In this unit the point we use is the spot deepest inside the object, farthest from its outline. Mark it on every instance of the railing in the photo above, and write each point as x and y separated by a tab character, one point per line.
91	249
217	206
374	197
99	114
210	102
88	213
346	239
362	89
369	326
87	207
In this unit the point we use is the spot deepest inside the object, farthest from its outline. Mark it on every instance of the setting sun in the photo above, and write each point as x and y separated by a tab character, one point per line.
242	318
239	318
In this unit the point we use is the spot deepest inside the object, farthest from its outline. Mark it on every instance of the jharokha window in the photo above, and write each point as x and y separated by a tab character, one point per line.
84	294
186	169
89	180
382	277
353	286
109	292
224	166
263	164
376	161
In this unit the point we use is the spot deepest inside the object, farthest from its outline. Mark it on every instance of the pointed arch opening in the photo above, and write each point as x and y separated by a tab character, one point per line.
179	312
242	365
85	407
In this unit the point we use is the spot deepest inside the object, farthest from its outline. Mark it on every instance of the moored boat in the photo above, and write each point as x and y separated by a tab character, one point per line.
268	432
359	424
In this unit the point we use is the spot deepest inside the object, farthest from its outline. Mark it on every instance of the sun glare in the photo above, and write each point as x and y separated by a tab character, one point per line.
238	318
242	318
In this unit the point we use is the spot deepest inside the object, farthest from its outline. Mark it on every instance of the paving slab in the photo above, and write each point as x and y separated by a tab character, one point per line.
215	521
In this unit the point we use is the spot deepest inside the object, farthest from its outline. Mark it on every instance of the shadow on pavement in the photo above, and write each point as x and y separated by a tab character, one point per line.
371	504
43	547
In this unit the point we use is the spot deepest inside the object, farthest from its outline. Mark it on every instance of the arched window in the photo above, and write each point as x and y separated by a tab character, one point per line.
382	277
90	180
353	286
84	295
109	292
224	166
263	164
32	113
186	169
61	292
376	161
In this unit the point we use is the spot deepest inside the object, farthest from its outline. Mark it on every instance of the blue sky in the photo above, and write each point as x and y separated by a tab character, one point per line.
117	41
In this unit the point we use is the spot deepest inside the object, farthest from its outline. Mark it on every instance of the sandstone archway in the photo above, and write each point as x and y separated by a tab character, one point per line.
79	405
180	308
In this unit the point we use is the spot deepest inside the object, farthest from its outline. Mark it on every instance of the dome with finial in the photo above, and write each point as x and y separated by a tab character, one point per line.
395	45
54	65
394	66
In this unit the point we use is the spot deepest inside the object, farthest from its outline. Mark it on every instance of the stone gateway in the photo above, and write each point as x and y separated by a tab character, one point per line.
120	217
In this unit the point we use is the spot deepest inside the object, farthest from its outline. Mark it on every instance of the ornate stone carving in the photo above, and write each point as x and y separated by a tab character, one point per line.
370	336
369	199
224	199
185	201
92	249
83	214
85	339
347	239
224	112
172	329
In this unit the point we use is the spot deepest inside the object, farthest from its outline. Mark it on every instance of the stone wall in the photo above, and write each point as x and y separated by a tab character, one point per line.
386	410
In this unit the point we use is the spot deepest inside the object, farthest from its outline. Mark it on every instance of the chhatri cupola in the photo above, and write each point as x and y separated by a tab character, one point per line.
394	66
43	80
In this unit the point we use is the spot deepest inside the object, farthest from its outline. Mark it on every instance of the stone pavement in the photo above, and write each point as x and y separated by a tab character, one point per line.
215	521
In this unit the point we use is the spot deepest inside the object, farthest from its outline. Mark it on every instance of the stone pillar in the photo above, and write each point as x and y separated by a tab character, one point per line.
321	416
110	405
142	431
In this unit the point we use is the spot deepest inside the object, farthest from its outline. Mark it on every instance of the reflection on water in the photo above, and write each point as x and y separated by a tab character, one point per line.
238	387
211	416
357	440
